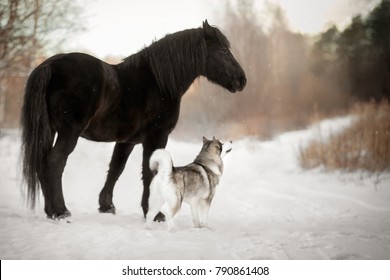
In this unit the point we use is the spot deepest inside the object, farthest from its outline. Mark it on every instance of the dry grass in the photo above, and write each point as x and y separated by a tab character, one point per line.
365	145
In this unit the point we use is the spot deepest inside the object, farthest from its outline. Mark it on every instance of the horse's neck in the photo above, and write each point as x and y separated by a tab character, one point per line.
187	84
129	66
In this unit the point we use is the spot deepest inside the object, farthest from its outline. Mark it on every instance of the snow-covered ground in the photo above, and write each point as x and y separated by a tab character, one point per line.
266	207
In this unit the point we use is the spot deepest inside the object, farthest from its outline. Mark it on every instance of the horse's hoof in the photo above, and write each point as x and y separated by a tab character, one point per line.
159	218
62	216
110	209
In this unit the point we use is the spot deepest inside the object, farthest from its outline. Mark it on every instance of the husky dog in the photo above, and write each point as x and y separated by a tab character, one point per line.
194	183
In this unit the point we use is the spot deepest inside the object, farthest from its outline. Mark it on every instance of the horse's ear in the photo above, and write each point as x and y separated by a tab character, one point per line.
208	30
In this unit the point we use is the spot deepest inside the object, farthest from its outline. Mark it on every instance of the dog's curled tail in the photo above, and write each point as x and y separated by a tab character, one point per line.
161	162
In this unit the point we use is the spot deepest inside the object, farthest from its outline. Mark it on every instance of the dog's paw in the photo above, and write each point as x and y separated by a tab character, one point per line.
160	218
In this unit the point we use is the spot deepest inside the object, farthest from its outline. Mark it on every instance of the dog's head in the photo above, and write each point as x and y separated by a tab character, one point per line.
215	146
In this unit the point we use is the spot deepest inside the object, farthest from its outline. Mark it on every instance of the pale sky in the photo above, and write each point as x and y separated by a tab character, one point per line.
122	27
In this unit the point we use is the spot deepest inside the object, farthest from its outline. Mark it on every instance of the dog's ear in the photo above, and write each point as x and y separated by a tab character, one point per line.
204	140
214	138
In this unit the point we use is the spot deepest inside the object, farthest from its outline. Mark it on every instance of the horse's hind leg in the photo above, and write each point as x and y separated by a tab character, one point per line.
117	164
51	177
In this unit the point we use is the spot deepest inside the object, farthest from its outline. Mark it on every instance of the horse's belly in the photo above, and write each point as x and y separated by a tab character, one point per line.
112	132
96	137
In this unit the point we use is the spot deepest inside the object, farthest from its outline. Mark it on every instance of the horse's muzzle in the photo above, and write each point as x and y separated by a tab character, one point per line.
242	83
238	84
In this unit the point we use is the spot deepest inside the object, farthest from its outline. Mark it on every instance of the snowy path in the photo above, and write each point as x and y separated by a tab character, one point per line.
266	207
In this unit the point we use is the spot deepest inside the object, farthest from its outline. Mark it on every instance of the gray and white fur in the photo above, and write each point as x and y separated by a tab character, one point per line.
194	183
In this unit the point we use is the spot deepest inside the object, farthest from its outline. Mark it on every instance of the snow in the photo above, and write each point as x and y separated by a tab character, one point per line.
266	207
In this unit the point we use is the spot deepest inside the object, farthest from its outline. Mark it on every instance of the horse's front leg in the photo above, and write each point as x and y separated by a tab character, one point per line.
117	164
151	144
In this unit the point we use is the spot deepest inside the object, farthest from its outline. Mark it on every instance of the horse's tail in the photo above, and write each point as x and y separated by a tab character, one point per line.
37	135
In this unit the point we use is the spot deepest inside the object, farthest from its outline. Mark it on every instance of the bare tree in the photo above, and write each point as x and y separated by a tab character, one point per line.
27	28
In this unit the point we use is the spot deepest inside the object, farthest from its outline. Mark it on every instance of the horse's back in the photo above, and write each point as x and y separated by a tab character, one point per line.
75	68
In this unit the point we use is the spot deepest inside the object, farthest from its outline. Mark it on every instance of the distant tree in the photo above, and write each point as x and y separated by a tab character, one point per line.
378	26
358	57
28	28
354	52
324	51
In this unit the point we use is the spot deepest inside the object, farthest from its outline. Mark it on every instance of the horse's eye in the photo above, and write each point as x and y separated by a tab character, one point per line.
224	50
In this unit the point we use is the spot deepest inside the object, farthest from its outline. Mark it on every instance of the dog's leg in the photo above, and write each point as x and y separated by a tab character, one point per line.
195	213
152	213
204	206
168	213
172	205
156	202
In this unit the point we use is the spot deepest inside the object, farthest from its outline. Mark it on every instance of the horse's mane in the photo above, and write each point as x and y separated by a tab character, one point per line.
176	58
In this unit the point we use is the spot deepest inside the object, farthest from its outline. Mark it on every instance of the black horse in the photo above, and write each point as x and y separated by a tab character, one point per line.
136	101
